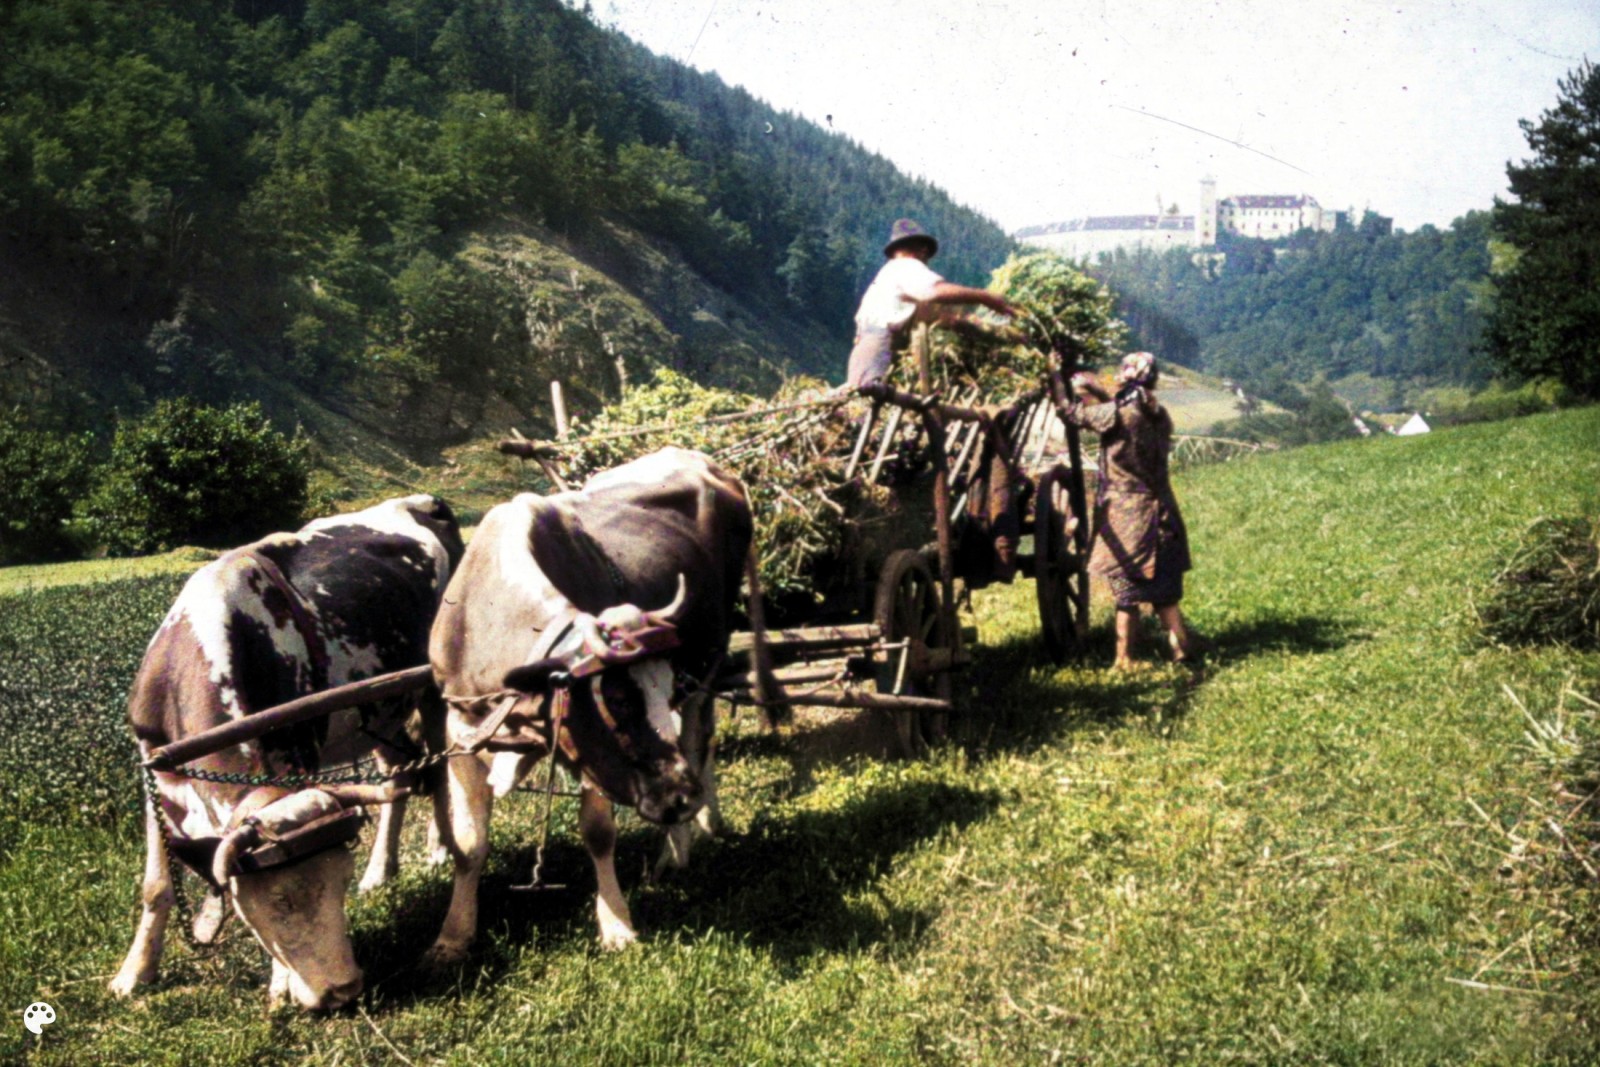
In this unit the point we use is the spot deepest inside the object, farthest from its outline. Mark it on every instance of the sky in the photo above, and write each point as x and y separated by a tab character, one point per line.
1037	111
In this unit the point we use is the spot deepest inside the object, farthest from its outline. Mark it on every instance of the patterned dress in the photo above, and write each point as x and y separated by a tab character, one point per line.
1140	545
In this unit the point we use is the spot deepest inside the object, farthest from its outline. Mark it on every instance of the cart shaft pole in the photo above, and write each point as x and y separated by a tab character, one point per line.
813	639
860	698
933	419
311	706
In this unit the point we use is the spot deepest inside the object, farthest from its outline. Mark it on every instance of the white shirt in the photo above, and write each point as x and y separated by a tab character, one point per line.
888	301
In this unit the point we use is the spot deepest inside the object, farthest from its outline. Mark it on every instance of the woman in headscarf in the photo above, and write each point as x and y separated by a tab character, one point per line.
1140	545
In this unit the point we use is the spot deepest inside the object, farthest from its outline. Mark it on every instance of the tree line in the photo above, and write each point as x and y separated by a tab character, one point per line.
302	172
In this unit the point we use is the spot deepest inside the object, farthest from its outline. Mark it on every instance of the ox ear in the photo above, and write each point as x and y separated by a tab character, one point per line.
533	677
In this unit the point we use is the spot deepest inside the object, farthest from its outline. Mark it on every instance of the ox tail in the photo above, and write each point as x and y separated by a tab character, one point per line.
775	710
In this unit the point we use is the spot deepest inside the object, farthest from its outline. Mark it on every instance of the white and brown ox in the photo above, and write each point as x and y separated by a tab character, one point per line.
549	617
345	598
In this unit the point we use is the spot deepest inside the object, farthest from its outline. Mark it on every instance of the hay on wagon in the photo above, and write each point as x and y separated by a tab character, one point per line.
813	526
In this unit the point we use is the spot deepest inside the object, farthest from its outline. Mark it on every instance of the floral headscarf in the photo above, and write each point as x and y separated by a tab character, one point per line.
1138	369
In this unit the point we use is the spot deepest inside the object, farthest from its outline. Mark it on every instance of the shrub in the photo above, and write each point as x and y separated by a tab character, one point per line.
44	474
1498	402
1321	417
188	474
1548	589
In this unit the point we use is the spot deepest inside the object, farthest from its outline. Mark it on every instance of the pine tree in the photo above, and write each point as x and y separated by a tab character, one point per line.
1546	321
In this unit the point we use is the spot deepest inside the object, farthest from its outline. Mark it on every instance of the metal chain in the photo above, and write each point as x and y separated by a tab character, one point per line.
350	774
557	712
180	899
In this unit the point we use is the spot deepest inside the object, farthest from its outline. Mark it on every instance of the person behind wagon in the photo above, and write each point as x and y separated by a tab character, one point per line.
1140	545
904	284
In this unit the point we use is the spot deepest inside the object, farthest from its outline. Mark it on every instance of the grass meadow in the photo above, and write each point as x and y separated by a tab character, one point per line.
1333	846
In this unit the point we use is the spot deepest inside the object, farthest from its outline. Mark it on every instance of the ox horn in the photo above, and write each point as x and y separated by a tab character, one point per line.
349	794
668	614
233	845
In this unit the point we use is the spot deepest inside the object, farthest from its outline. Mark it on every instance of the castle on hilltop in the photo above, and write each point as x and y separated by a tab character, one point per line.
1266	217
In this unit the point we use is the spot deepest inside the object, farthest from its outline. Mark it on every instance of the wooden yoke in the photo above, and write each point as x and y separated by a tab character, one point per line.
311	706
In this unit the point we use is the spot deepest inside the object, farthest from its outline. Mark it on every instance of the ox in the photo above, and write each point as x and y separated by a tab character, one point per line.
345	598
542	624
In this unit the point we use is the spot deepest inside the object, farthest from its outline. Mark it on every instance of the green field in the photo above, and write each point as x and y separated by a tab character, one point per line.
1197	401
1331	848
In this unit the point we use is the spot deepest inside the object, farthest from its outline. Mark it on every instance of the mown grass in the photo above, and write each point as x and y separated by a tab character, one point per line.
1282	861
41	576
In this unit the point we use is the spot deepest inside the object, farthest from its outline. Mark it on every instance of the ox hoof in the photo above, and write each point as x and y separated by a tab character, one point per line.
442	957
372	881
617	940
127	983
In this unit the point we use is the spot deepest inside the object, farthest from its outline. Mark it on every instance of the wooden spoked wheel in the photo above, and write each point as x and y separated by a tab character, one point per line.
907	610
1060	568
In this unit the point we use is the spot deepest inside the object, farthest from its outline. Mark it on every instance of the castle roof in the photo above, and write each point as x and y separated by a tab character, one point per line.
1114	223
1269	201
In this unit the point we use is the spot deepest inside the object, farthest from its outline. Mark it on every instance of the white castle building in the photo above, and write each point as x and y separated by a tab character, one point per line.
1265	217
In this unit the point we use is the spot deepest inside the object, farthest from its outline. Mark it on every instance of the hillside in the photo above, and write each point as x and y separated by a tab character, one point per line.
1404	309
394	223
1307	855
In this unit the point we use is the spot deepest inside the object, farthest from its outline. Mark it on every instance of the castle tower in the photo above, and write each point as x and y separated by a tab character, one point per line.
1205	220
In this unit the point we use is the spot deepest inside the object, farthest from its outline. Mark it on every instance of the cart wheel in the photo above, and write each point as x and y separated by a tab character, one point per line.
907	606
1060	567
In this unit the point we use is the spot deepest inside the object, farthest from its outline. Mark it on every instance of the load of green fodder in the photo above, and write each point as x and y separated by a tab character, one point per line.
1548	589
1062	310
790	455
812	527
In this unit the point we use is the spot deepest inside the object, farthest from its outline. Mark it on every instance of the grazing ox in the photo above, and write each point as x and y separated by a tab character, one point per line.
549	617
345	598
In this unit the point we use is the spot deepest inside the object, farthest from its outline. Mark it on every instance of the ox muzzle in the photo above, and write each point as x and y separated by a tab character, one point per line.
287	862
607	683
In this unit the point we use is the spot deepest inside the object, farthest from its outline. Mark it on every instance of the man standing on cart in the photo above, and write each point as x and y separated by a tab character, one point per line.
1141	546
903	285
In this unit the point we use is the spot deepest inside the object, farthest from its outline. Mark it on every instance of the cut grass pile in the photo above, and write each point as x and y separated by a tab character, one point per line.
1309	855
1548	589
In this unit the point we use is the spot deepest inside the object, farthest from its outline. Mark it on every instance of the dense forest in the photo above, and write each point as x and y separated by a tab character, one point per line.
1408	307
201	196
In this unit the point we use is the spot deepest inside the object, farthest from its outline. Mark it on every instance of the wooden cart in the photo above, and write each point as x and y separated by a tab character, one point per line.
976	504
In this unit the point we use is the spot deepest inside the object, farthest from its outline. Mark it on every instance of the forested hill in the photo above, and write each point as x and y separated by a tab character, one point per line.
411	213
1409	307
